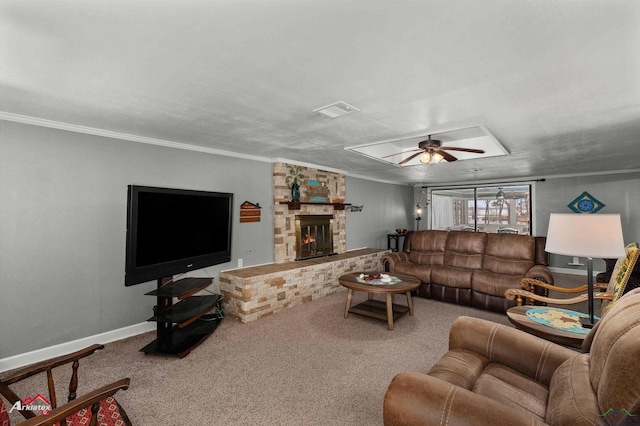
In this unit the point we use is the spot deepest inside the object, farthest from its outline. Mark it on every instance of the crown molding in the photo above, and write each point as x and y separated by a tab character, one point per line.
329	169
41	122
124	136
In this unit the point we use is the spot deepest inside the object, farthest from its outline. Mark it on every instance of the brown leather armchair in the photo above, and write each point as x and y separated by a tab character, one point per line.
496	375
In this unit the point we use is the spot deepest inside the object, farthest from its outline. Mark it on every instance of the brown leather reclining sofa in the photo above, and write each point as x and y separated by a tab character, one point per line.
470	268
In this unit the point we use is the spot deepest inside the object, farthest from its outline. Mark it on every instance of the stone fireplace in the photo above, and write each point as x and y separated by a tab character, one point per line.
285	217
314	236
316	228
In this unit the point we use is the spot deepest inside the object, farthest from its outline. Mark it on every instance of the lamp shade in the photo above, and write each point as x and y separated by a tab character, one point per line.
585	235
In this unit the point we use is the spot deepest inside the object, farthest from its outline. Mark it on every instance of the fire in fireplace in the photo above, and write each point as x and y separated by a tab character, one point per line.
314	236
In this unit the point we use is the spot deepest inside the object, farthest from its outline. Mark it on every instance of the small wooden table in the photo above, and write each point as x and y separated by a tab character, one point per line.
385	311
518	317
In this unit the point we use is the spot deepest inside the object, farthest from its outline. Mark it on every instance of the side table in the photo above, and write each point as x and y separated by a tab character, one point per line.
397	239
518	317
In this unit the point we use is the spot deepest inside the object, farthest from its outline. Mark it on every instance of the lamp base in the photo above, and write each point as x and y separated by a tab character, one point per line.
586	322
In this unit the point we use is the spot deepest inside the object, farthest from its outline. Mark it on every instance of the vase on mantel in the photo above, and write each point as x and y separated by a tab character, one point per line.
295	192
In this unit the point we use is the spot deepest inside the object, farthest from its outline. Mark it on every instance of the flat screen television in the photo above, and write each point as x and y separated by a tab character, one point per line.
172	231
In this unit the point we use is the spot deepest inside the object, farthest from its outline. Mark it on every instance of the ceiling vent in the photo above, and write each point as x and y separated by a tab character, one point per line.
336	109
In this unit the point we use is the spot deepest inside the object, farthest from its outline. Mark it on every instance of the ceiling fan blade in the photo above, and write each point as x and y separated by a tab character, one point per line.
453	148
398	153
411	157
446	155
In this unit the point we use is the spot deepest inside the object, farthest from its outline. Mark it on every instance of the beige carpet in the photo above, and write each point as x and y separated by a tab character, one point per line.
305	366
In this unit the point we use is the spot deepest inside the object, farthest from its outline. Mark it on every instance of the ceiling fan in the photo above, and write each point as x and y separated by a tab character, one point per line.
432	151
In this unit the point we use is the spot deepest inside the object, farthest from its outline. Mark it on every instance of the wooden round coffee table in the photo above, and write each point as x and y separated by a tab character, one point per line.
385	311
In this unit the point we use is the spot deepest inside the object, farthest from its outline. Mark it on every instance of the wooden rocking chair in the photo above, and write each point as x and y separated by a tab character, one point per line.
608	293
98	405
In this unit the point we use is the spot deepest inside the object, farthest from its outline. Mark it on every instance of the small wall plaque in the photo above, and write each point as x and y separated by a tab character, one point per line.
249	212
318	192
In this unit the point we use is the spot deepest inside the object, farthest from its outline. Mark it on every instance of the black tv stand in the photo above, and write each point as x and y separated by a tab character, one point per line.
180	327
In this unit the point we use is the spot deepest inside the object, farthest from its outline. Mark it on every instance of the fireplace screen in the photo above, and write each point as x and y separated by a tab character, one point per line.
314	236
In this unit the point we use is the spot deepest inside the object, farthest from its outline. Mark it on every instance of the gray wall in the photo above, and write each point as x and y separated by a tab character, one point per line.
620	193
62	228
386	207
63	218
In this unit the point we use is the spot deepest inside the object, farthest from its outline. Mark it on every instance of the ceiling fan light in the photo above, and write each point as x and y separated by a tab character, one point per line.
437	157
425	158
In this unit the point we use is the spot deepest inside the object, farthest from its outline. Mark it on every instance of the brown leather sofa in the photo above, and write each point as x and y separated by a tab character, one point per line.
470	268
497	375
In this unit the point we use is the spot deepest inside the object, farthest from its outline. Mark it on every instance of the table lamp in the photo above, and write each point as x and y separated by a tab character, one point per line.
586	235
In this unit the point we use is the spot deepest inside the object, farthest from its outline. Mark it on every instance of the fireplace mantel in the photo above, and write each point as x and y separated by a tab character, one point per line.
295	205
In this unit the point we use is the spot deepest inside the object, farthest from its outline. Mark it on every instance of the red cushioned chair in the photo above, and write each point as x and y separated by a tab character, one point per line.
96	408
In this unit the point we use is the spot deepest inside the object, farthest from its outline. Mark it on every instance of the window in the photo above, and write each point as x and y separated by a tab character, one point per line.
504	209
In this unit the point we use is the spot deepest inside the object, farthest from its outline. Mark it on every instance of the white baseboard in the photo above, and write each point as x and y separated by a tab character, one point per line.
38	355
572	271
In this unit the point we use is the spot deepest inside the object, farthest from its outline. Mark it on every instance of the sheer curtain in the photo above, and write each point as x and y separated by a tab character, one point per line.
441	212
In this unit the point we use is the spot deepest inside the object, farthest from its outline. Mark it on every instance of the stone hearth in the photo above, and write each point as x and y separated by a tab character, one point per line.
253	292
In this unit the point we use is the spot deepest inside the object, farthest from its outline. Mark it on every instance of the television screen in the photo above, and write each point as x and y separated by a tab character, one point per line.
171	231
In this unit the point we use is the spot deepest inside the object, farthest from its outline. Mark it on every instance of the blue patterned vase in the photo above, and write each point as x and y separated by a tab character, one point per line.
295	192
